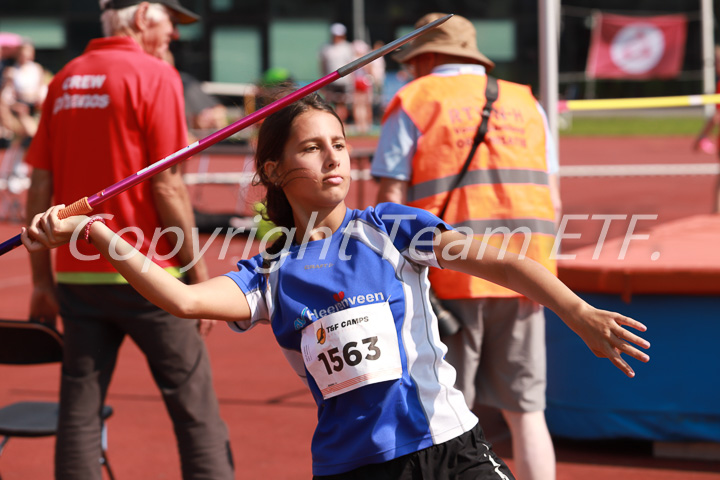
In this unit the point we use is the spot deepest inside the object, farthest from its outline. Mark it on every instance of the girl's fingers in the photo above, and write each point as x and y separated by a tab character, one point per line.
622	365
628	349
54	224
628	336
38	226
44	229
620	345
50	219
612	340
30	244
629	322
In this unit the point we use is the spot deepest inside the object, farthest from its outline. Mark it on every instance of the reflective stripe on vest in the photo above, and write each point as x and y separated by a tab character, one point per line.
505	195
476	177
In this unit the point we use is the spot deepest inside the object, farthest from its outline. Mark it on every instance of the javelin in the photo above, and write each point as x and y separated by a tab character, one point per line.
85	205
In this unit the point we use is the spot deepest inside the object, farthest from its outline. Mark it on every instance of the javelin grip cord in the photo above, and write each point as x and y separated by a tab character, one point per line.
80	207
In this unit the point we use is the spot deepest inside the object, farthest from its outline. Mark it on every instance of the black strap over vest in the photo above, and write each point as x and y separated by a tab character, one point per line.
491	94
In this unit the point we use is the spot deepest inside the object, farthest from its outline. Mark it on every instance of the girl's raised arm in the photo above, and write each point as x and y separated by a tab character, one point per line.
602	331
218	298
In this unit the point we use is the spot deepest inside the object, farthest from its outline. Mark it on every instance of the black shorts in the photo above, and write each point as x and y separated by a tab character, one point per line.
467	457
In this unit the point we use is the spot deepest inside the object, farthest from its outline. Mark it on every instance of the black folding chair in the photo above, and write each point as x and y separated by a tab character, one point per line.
31	343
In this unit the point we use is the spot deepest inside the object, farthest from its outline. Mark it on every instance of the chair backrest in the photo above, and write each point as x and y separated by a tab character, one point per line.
29	343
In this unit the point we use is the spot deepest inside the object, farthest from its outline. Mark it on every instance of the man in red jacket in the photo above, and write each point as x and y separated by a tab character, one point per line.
109	113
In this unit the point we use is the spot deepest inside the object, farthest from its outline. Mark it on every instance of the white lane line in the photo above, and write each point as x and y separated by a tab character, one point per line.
660	169
15	281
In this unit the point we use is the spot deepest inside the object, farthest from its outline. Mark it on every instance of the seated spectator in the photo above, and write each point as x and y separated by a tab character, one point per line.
24	88
9	45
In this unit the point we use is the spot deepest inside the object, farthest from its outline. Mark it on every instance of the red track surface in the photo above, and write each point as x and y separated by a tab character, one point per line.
270	414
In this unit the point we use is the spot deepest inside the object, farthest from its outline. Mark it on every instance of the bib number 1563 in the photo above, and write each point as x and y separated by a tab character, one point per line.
351	355
352	348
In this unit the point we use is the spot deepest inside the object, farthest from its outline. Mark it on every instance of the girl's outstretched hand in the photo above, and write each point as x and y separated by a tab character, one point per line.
605	335
46	230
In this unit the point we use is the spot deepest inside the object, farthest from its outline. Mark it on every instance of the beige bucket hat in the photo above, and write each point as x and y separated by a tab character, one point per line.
454	37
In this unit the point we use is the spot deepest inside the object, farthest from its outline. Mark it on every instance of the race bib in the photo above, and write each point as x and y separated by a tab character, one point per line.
352	348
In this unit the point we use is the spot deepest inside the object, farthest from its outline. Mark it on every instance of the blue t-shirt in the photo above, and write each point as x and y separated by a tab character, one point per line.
380	254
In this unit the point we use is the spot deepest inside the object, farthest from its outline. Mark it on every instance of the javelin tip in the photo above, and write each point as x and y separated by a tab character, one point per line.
385	49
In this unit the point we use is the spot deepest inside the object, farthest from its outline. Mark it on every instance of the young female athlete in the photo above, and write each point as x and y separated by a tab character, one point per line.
346	294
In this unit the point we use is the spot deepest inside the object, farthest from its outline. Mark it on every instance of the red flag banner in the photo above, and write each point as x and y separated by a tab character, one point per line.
636	47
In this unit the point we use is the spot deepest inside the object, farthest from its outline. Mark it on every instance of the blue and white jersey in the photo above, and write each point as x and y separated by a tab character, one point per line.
376	261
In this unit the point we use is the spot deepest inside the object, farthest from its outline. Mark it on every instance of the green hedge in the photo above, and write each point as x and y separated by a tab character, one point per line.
620	126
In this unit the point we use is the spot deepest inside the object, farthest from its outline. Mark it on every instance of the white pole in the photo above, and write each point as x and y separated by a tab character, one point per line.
359	19
547	17
708	52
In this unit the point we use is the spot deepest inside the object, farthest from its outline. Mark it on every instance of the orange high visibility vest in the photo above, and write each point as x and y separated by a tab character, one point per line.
504	197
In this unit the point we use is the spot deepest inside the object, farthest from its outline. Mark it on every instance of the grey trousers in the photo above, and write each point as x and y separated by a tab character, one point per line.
96	319
499	354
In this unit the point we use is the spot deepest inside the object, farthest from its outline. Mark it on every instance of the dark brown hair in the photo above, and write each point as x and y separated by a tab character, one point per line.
273	135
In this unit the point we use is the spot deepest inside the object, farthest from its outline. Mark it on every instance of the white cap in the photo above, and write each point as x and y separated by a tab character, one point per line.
338	29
